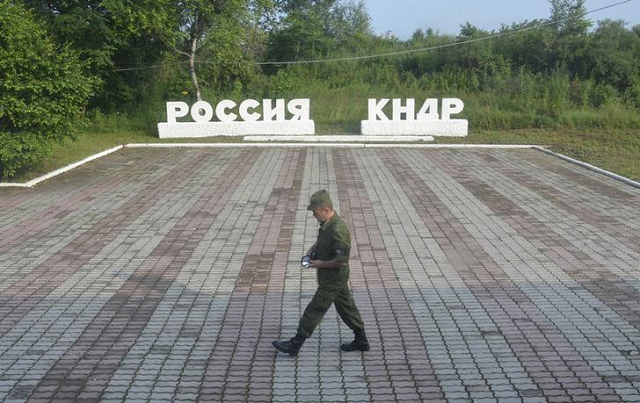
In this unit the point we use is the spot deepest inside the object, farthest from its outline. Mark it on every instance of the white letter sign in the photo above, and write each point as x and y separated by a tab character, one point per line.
299	108
375	109
270	112
176	110
429	110
244	110
405	120
269	117
451	106
408	111
221	111
201	106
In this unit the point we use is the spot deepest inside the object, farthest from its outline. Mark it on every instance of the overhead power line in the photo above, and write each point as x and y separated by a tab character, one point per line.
155	66
409	51
448	45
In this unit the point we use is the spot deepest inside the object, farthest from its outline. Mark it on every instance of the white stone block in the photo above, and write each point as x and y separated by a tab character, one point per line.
340	138
448	128
210	129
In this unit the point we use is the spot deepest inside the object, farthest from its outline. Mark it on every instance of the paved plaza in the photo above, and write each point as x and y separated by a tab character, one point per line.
165	274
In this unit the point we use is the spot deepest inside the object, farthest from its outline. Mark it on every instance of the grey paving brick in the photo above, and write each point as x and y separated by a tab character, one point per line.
481	274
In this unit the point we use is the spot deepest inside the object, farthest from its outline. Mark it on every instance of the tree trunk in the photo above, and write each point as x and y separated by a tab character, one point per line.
192	69
192	56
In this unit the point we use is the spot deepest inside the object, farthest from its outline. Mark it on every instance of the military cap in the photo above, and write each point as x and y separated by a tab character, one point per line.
319	199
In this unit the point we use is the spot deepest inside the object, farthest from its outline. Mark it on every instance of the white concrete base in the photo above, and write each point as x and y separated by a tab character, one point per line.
339	138
448	128
210	129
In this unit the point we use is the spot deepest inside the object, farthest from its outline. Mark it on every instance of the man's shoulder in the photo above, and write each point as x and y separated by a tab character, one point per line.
339	226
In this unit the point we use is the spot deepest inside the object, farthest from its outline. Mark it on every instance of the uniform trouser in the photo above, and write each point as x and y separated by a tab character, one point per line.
326	295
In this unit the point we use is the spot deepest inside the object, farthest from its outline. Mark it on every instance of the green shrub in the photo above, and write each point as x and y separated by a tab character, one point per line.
603	95
42	89
632	95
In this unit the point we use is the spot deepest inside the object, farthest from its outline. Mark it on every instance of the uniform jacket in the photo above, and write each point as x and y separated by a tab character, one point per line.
334	242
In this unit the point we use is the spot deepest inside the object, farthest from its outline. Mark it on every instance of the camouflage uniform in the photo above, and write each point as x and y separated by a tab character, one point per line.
334	242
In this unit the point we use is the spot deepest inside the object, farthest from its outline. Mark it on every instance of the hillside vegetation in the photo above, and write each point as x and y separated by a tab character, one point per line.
564	73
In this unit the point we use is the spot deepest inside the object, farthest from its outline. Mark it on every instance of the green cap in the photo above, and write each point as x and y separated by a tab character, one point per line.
319	199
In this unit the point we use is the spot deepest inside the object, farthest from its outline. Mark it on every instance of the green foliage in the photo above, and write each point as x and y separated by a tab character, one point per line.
110	35
559	75
313	29
614	55
210	34
570	17
224	62
42	89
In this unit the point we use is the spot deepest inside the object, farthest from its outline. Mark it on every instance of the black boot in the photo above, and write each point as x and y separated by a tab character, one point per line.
360	343
290	347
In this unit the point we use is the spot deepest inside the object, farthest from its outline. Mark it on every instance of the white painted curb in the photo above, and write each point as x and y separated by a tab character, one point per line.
339	138
59	171
350	145
242	145
35	181
590	167
496	146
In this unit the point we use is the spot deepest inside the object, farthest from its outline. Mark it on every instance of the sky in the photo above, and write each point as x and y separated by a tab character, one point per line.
403	17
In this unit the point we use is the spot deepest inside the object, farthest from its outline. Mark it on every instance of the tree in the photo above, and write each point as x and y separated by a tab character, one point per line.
469	30
42	89
262	17
532	49
349	23
570	15
418	36
116	39
313	28
614	55
203	24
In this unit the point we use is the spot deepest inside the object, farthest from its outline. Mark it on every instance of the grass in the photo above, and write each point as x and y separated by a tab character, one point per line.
616	150
92	142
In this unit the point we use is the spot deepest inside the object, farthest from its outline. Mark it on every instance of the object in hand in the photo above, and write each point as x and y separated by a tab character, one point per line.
306	260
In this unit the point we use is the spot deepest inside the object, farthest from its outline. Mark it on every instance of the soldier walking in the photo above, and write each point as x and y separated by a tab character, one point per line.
331	252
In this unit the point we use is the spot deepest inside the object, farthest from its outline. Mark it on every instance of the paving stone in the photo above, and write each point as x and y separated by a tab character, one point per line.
158	274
